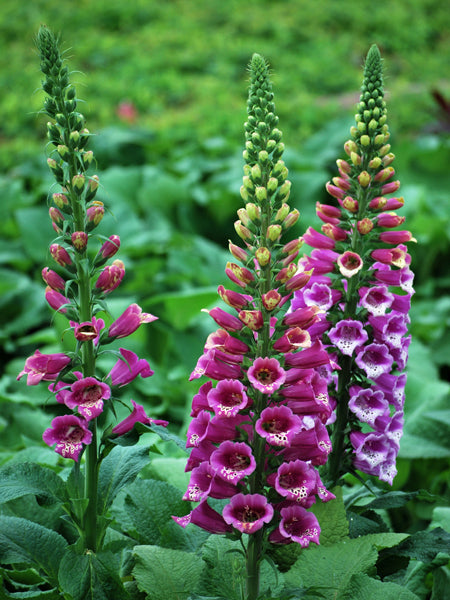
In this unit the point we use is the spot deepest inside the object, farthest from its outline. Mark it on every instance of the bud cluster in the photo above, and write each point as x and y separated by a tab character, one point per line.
363	280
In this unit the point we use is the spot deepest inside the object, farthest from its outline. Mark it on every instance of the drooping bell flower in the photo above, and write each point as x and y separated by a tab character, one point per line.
44	367
129	321
70	433
137	415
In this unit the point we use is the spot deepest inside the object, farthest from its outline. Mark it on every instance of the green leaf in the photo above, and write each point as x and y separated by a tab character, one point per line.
397	499
332	519
90	576
164	573
171	470
191	301
441	584
149	506
363	587
224	572
424	545
166	436
117	470
332	567
30	478
22	541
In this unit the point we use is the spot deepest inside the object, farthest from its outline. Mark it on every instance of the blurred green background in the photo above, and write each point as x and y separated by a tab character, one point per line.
165	86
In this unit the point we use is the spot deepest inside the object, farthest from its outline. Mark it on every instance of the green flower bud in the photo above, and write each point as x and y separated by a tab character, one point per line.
253	211
263	157
261	193
282	212
365	140
372	125
274	232
256	174
78	183
361	127
284	191
272	185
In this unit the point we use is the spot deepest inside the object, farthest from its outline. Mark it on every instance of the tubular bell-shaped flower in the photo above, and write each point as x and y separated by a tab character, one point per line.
265	396
367	332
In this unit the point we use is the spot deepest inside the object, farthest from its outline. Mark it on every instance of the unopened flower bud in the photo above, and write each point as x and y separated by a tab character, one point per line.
362	127
94	214
284	191
390	187
56	216
256	174
243	216
292	246
243	232
291	219
262	255
286	273
350	204
375	163
74	137
364	226
274	232
248	183
364	179
237	252
53	280
79	240
384	174
365	140
343	166
78	183
261	193
271	300
390	220
263	157
272	185
110	247
60	255
384	150
253	319
253	211
282	212
280	171
244	193
62	150
88	157
379	139
110	277
388	159
373	124
61	201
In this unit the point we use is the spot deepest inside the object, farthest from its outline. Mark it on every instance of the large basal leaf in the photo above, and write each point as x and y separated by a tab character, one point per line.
331	567
423	545
164	573
332	519
149	506
30	478
90	576
118	469
363	587
22	541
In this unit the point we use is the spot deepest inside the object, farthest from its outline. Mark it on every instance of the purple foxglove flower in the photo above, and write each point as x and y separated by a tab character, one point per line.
296	525
293	339
110	247
200	400
396	237
234	299
89	330
266	375
374	359
110	277
204	483
60	255
208	364
248	513
138	415
232	461
400	355
401	303
217	429
88	394
390	329
205	517
129	368
311	443
371	449
278	425
321	295
367	404
224	319
308	358
44	367
392	427
402	278
398	257
317	240
129	321
53	280
69	433
393	387
228	398
348	335
222	340
349	263
376	299
296	481
301	317
56	300
387	469
61	390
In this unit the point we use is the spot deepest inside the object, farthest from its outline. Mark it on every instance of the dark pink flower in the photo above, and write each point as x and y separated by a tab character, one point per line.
205	517
69	433
88	394
60	255
266	375
53	280
138	415
128	368
233	461
296	525
88	330
129	321
296	481
44	367
367	404
209	364
349	263
348	335
278	425
56	300
224	319
374	359
204	483
110	277
376	299
227	398
110	247
248	513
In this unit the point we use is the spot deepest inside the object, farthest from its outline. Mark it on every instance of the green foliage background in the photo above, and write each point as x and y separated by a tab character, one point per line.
171	178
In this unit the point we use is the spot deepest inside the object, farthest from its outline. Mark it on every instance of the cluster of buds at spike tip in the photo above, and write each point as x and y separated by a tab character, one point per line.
363	280
79	290
258	429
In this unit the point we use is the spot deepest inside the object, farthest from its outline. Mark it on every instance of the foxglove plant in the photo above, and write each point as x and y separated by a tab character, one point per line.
361	277
258	429
78	290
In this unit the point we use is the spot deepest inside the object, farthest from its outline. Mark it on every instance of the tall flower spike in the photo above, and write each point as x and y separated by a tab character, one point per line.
269	405
80	294
366	328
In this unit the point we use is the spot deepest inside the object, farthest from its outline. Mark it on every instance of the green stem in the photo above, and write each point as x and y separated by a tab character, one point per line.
253	564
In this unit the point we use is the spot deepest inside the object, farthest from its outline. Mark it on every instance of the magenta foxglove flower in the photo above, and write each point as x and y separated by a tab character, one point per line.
232	461
89	330
129	321
349	264
110	247
128	368
56	300
227	398
376	300
296	480
44	367
266	375
138	415
296	525
69	433
53	280
205	517
110	277
348	335
87	394
60	255
248	513
278	425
